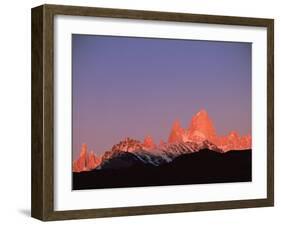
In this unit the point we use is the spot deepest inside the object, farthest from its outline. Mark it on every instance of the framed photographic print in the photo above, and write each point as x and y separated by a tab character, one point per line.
141	112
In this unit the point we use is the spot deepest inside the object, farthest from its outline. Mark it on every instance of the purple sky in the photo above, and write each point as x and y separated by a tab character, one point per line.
133	87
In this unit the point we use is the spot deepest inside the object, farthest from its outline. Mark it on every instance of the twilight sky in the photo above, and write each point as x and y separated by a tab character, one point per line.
133	87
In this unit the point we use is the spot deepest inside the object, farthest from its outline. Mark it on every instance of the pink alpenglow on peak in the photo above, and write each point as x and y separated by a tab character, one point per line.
201	127
80	163
148	143
200	134
177	132
94	160
86	161
233	141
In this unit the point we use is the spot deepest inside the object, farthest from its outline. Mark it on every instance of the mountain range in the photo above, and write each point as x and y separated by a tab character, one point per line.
199	135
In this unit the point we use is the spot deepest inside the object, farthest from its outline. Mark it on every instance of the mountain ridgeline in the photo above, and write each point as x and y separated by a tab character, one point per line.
194	155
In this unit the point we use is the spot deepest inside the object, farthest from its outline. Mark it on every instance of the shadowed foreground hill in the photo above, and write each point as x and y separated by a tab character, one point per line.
201	167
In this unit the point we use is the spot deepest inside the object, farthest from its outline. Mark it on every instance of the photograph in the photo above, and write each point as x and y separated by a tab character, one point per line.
138	112
159	112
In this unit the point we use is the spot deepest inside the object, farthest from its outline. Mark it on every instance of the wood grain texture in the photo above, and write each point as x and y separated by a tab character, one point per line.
42	203
270	111
37	203
43	108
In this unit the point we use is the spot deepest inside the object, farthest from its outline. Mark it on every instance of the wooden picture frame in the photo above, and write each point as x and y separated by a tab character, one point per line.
42	203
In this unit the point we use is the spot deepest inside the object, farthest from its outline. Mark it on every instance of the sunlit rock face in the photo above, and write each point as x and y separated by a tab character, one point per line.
86	161
233	141
94	160
200	134
126	145
176	134
80	163
201	128
148	143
